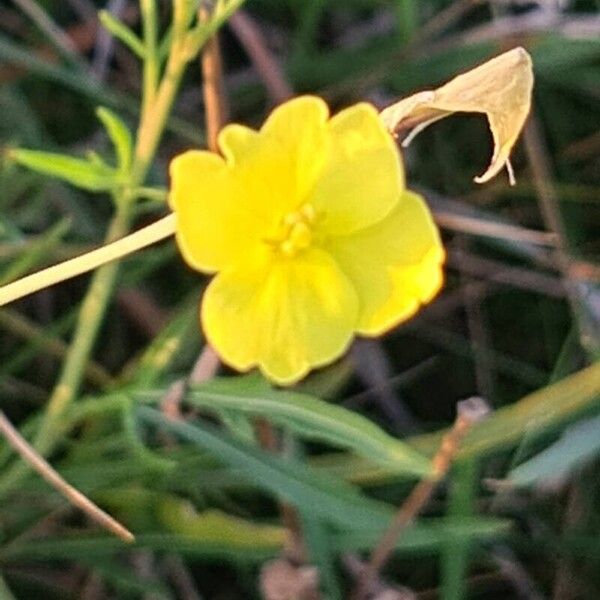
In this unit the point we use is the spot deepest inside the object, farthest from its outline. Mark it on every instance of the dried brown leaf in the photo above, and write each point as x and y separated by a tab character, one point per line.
500	88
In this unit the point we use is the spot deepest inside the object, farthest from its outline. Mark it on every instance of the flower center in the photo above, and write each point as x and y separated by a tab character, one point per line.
295	231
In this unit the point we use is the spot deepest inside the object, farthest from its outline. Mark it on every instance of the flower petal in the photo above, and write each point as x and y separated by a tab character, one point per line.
298	128
284	315
363	177
395	265
216	223
277	166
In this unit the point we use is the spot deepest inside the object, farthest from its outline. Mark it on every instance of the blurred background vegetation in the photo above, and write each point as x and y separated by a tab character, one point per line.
518	323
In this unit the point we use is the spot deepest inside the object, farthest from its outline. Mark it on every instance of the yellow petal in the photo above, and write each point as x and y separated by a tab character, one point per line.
216	222
275	167
501	88
296	130
412	286
362	178
395	265
284	315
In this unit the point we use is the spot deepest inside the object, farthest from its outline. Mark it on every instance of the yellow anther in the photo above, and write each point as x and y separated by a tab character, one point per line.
308	212
295	231
300	235
292	218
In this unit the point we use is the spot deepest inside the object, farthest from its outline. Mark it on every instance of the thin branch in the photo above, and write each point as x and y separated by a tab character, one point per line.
55	34
269	70
212	89
548	200
503	231
468	412
27	453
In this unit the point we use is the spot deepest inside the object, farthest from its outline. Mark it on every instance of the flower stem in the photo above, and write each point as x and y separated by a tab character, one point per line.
87	262
151	61
88	323
94	305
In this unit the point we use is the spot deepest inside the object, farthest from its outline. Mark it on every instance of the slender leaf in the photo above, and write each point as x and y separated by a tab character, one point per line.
79	172
339	503
120	136
427	535
577	445
120	31
311	418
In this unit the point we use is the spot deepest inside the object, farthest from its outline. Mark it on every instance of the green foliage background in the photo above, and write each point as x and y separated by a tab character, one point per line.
519	515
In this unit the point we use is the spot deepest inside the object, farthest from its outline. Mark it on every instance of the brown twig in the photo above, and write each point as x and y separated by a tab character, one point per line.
24	449
468	412
478	333
537	154
215	108
269	70
295	550
503	231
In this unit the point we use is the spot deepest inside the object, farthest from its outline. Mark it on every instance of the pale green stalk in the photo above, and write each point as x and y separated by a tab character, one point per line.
151	61
185	46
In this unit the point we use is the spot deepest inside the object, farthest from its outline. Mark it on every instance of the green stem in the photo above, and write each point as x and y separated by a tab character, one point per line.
456	551
94	306
408	19
151	62
88	323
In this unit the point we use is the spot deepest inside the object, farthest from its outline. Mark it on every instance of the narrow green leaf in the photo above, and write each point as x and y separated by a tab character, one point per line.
456	552
73	548
577	445
216	527
5	591
311	418
427	535
544	410
79	172
120	136
317	538
147	369
337	502
540	411
121	32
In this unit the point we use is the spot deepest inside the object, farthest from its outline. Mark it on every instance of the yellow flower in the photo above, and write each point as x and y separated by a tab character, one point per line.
311	233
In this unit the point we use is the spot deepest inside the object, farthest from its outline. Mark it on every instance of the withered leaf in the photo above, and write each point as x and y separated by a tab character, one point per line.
500	88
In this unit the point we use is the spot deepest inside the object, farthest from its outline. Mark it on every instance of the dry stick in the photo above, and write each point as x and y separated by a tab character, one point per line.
468	412
215	115
269	70
24	449
215	109
478	334
503	231
549	206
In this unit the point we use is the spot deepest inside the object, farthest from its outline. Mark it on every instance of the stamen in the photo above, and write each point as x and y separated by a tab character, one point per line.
295	232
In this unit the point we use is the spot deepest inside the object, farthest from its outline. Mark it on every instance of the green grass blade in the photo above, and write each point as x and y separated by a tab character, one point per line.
334	501
311	418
